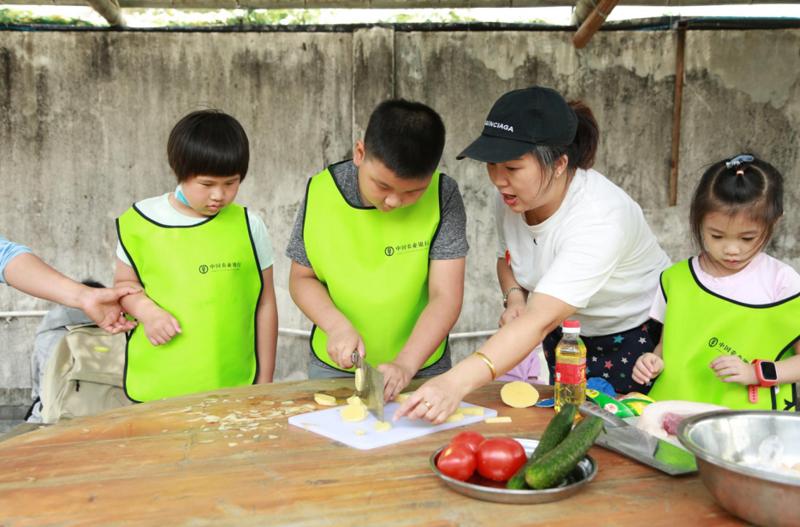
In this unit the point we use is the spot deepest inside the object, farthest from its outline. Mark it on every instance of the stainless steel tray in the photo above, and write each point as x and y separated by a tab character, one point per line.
484	489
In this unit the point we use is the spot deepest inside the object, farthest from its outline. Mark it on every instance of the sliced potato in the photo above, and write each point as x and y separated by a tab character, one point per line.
356	400
473	410
353	413
519	394
359	379
324	399
454	417
382	426
401	397
499	419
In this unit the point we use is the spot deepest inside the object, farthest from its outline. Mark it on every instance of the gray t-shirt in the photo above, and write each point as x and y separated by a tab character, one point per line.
450	242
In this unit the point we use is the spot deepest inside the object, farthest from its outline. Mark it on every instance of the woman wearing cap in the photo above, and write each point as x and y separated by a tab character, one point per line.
572	244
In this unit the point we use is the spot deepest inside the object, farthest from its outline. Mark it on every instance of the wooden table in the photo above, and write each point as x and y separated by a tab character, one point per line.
230	458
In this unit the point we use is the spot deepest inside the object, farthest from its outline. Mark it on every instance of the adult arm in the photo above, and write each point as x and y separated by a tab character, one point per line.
314	301
438	398
8	251
159	325
267	329
445	297
28	273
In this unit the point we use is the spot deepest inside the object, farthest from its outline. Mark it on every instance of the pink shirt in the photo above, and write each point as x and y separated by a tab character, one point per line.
763	281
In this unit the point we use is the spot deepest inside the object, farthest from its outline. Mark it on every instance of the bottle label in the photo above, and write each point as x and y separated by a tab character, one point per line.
570	373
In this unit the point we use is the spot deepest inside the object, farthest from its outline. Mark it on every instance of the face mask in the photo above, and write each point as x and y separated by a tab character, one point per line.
179	195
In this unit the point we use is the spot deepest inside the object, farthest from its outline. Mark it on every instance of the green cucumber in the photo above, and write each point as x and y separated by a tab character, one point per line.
553	467
556	431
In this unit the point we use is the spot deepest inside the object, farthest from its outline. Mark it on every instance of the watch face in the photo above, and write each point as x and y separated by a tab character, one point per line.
768	371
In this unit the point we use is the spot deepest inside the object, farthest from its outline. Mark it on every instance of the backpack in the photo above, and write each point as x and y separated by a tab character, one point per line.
84	375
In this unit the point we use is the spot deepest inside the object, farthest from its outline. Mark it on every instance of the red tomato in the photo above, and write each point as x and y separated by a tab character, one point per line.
457	461
471	440
499	458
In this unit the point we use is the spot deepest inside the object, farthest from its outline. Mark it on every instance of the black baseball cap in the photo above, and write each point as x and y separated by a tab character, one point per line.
520	120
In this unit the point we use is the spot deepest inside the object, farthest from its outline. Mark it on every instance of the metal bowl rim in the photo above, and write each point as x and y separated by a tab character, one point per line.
514	492
685	427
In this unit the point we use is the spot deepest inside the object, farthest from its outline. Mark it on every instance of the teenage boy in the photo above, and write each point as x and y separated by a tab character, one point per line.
378	252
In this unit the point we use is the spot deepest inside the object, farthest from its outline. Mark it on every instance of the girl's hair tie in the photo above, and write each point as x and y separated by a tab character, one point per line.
738	161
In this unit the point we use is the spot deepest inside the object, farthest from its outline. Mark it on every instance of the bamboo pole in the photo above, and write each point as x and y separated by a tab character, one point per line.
676	115
593	22
108	9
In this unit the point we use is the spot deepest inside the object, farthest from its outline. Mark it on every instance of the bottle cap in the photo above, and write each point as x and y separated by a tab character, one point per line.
571	326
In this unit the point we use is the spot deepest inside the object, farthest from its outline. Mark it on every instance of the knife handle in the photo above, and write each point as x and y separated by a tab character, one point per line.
602	413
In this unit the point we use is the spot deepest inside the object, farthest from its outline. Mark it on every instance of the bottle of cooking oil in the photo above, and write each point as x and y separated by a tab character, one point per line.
570	378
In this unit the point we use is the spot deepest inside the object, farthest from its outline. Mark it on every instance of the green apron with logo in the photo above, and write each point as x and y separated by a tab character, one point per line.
374	265
207	276
699	326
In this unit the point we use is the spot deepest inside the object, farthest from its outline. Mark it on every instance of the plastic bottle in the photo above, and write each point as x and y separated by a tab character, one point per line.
570	380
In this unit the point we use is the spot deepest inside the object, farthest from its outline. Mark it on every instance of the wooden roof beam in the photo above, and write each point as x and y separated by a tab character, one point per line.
593	22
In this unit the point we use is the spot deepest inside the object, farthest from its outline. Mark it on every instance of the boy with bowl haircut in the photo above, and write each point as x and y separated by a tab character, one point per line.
208	316
378	252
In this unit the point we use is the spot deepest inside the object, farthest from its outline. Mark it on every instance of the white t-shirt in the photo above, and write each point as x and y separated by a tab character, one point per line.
160	210
763	281
596	253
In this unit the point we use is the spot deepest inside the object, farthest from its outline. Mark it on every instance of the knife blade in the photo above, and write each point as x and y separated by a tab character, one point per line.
623	438
371	389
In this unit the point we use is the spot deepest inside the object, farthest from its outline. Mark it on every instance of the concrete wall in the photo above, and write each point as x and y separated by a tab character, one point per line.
85	117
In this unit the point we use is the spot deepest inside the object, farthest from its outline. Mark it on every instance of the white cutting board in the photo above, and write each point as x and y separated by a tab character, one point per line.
329	423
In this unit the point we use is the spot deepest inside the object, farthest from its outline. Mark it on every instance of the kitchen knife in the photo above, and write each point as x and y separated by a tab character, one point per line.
371	385
621	437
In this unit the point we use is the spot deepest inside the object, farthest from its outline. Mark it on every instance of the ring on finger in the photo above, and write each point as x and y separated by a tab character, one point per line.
429	405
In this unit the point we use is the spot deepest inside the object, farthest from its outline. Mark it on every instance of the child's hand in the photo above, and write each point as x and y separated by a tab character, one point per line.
395	378
342	342
159	326
647	367
730	368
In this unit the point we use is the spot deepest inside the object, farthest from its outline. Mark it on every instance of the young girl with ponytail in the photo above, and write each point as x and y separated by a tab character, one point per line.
732	314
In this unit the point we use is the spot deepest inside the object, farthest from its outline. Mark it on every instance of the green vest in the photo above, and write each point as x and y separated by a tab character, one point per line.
207	276
373	263
700	325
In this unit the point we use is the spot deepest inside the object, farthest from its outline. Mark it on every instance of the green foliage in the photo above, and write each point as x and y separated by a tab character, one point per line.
426	16
242	18
271	17
16	17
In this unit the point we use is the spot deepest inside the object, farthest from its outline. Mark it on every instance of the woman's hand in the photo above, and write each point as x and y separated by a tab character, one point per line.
342	342
512	311
159	326
730	368
515	306
434	401
647	367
